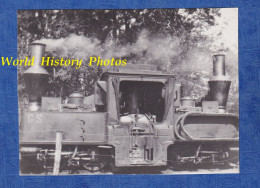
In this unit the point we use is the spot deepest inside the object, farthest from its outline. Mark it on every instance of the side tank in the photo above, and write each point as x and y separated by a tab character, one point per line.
77	127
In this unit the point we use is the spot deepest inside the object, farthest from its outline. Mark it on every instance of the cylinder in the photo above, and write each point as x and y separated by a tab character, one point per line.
187	102
37	50
219	65
76	98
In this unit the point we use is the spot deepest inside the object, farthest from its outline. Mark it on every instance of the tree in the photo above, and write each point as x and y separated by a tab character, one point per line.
167	37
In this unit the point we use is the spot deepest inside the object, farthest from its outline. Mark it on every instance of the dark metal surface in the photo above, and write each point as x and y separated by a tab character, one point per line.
219	90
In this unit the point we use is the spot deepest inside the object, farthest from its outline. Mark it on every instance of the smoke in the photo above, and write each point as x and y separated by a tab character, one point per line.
193	71
149	48
156	49
73	46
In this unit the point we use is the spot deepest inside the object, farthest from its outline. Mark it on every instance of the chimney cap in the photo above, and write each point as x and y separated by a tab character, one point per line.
37	43
218	55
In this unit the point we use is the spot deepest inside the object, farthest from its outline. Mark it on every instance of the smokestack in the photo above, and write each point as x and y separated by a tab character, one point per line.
219	65
220	84
36	77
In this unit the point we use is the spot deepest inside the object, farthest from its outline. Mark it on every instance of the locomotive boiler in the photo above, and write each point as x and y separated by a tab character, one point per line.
136	117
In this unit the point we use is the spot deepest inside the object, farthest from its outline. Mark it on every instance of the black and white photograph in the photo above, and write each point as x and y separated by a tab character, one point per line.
136	91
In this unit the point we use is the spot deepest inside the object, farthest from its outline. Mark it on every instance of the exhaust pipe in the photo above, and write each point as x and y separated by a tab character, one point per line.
219	65
36	77
220	84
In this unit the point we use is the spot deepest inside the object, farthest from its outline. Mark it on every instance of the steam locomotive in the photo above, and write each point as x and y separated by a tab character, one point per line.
135	118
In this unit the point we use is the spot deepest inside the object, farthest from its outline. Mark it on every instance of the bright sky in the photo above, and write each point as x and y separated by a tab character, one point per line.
228	26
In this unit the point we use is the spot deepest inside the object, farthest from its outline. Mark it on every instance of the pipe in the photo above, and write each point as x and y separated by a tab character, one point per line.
219	65
37	51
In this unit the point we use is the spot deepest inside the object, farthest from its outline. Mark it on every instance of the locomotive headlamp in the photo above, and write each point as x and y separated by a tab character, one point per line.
36	77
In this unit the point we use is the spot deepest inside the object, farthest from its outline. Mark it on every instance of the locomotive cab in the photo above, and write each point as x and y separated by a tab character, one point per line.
140	109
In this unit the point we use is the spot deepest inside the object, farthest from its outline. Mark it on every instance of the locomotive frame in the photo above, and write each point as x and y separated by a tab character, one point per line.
126	129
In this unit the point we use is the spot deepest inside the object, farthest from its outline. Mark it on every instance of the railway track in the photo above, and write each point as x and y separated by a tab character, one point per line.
206	169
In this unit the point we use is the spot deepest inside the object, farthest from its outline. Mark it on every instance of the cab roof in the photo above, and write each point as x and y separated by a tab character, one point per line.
136	70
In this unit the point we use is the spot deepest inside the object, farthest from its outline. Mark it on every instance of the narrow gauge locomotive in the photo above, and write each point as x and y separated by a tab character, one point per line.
135	118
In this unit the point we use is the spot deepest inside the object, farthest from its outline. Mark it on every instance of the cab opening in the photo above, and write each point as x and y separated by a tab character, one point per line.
137	97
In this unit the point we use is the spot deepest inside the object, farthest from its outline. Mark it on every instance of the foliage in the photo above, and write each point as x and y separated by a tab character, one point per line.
171	38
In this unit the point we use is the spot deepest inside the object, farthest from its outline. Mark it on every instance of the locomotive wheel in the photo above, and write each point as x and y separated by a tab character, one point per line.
96	163
93	166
